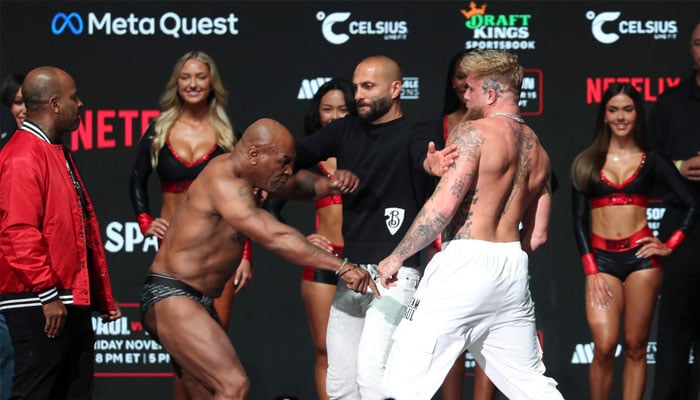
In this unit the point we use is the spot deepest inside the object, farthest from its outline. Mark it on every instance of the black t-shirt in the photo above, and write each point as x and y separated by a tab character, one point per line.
388	159
675	123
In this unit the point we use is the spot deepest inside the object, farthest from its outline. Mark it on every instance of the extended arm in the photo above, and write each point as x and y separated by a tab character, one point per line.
306	185
235	202
439	209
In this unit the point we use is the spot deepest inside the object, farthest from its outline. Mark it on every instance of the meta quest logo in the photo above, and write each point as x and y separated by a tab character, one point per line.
169	24
497	31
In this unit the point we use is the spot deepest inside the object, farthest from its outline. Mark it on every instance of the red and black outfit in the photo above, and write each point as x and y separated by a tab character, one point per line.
51	249
316	274
174	173
616	256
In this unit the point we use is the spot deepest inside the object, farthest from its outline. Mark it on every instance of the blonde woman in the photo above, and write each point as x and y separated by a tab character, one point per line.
192	129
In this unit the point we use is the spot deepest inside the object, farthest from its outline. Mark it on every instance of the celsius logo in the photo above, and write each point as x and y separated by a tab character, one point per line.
309	87
72	21
391	30
170	24
501	31
659	29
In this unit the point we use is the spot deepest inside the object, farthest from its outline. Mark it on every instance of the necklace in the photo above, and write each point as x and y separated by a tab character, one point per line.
516	118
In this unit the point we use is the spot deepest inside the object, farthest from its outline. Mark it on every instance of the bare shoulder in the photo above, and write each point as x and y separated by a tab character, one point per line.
469	136
219	182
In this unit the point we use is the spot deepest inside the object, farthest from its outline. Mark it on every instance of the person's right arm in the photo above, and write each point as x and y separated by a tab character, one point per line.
22	241
234	200
599	290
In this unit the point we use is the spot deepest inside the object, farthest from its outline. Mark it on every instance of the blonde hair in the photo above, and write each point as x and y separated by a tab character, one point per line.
171	106
497	65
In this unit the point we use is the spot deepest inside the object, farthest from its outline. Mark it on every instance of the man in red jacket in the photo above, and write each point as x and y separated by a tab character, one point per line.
53	271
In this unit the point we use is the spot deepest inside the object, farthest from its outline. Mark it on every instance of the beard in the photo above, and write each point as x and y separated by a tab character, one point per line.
474	113
377	109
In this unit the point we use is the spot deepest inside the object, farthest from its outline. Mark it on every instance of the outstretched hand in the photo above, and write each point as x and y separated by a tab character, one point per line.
359	280
437	162
343	182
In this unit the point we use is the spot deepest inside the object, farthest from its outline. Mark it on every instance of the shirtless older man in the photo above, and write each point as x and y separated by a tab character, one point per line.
474	293
204	244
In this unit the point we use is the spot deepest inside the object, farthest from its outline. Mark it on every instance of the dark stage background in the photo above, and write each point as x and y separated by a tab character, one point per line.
272	56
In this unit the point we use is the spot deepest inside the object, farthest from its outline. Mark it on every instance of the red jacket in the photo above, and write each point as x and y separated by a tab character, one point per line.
44	236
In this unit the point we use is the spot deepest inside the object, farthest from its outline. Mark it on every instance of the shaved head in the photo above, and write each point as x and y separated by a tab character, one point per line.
41	84
387	68
266	154
266	133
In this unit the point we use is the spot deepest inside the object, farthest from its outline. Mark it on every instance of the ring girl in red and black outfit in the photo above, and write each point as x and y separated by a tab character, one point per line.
612	180
192	129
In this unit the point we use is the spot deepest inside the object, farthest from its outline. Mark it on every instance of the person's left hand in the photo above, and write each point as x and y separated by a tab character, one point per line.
343	182
359	280
652	247
109	316
388	270
243	275
437	162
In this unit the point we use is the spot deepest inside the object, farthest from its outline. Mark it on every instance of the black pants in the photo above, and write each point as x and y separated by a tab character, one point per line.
679	316
58	368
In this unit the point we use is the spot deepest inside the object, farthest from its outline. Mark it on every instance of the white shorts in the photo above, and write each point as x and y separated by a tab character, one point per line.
474	295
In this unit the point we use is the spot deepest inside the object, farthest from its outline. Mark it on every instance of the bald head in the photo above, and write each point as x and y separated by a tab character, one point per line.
386	67
265	154
40	85
266	133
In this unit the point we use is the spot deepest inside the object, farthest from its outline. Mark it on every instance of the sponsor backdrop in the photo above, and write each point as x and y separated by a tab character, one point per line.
273	56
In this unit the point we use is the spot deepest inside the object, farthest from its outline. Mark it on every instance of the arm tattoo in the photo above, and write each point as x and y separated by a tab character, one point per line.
468	140
425	229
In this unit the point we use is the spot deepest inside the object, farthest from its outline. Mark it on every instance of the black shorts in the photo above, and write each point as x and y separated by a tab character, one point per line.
622	263
159	287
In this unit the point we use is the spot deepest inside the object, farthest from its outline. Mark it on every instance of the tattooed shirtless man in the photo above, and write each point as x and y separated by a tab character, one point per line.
474	294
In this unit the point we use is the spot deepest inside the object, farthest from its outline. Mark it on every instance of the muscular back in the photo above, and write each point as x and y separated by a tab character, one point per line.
501	172
200	247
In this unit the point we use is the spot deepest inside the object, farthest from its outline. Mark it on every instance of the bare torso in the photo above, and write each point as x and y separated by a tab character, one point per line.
200	248
512	171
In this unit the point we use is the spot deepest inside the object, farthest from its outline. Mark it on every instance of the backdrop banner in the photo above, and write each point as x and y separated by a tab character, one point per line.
273	56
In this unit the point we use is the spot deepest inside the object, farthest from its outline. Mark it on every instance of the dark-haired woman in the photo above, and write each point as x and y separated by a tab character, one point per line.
612	180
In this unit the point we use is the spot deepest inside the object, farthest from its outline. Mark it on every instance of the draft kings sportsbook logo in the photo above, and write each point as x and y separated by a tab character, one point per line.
497	31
